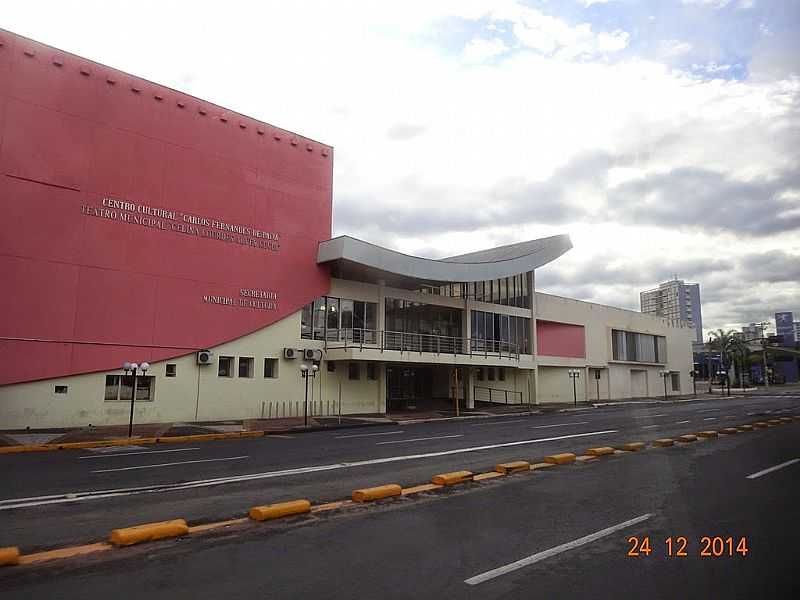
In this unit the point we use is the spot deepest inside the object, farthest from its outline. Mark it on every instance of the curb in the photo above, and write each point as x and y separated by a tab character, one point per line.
377	493
279	509
148	532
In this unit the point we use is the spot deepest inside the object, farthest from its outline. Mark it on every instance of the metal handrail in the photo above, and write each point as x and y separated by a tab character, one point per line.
495	392
418	342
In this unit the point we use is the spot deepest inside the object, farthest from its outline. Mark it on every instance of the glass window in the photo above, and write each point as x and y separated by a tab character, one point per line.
480	374
346	307
471	289
676	381
171	370
144	388
371	316
332	320
245	366
490	371
112	387
501	374
353	371
495	291
319	319
503	291
270	368
305	321
525	298
372	371
331	366
60	389
225	367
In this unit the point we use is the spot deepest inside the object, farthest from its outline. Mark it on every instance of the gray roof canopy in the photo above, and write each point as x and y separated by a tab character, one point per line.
351	258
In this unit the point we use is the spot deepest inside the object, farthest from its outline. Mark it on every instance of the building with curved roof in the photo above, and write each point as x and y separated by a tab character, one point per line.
142	224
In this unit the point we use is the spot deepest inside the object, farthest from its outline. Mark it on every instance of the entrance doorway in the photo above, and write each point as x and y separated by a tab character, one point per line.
423	387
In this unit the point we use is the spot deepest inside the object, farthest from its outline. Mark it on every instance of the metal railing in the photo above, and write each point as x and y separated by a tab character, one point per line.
486	394
419	342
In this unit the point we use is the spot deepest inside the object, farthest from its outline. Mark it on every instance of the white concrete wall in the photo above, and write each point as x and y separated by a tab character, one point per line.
617	381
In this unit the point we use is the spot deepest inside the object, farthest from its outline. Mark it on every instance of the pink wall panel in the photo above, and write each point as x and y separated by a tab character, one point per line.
560	339
111	282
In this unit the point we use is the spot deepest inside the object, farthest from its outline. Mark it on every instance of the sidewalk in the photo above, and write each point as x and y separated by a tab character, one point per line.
150	431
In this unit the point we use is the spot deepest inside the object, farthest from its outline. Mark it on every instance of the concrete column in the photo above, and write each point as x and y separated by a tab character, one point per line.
470	379
381	305
381	400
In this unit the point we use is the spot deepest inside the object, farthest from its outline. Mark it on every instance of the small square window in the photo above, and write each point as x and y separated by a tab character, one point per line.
501	373
245	367
271	368
225	366
172	369
491	373
372	371
331	366
354	371
60	389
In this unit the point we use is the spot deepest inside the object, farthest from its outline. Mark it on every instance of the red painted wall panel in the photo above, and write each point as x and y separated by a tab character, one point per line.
560	339
93	285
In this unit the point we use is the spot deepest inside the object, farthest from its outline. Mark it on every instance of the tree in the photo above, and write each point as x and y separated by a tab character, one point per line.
724	342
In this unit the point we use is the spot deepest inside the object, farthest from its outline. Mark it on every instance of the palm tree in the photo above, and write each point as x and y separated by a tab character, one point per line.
723	342
741	351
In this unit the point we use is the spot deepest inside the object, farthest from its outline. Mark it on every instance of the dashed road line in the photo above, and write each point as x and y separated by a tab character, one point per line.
498	423
681	422
540	556
360	435
114	455
424	439
709	418
559	425
172	464
775	468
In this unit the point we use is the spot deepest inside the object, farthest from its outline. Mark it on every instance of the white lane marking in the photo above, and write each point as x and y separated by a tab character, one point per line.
110	493
680	422
439	437
650	426
651	416
775	468
497	423
709	410
730	416
135	453
540	556
560	425
347	437
709	418
172	464
115	449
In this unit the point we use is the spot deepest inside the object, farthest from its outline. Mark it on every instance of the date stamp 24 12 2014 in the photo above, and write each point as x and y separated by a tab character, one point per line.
678	546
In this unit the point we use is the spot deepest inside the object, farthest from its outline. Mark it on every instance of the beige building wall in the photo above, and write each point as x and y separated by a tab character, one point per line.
619	379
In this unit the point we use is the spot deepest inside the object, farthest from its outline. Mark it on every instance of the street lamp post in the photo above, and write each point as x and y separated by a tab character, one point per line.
305	373
574	374
133	368
664	374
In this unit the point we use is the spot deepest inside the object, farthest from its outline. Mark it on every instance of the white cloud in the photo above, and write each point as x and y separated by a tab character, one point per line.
478	50
421	129
673	48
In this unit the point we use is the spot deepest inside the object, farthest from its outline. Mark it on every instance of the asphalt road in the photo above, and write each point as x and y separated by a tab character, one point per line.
468	541
51	499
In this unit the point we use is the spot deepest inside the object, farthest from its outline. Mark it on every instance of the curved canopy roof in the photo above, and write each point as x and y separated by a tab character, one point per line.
351	258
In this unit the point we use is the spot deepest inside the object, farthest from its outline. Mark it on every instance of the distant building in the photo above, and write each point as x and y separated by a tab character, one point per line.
785	326
754	331
675	300
797	331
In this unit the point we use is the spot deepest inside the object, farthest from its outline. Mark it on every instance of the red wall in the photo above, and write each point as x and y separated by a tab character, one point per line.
560	339
85	293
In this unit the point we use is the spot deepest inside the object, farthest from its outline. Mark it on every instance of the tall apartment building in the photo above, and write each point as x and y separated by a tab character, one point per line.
751	332
675	299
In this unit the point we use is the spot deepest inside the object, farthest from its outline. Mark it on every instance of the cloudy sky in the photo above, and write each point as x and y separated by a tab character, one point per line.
662	135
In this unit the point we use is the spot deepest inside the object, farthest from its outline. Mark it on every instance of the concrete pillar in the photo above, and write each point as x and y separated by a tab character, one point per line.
470	380
381	400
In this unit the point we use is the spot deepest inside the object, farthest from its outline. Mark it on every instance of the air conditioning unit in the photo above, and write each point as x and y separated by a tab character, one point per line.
205	357
290	353
313	354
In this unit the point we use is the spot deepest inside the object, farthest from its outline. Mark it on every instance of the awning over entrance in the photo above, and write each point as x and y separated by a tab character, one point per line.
351	258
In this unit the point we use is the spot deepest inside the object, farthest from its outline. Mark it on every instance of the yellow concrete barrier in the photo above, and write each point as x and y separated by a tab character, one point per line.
760	425
786	419
487	475
279	509
541	465
452	478
707	434
376	493
689	437
745	428
560	459
585	458
148	532
633	446
729	430
775	422
9	556
601	451
513	467
663	442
